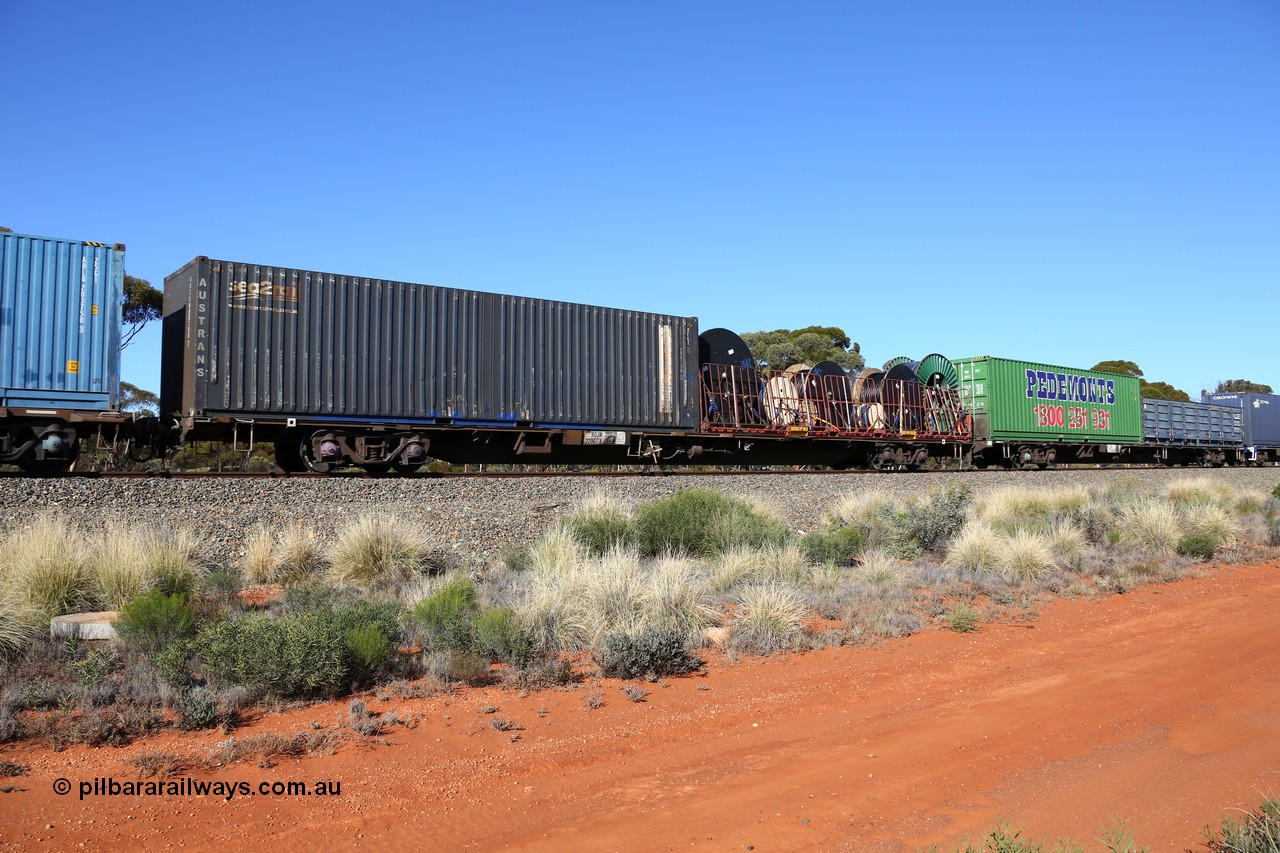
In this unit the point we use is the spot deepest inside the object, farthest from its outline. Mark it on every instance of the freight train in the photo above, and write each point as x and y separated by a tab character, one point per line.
339	371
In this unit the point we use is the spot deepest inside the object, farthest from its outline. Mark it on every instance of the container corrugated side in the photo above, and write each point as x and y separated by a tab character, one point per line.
1261	416
59	322
258	340
1012	400
1179	423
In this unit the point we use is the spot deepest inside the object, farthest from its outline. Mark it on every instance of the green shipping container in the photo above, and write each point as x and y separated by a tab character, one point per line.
1026	401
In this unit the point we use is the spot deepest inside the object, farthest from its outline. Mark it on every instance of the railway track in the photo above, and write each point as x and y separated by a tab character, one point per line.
506	475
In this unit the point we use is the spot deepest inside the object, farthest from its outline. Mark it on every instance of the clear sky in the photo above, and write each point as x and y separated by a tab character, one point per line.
1065	182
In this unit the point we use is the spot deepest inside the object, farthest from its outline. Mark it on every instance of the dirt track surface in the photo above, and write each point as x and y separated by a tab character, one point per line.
1161	706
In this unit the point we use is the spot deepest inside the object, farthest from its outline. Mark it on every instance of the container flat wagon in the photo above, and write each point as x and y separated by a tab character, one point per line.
1176	432
59	347
340	369
1261	416
1027	413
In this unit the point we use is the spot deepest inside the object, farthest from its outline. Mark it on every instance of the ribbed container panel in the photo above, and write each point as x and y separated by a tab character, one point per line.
245	339
1012	400
1176	422
59	322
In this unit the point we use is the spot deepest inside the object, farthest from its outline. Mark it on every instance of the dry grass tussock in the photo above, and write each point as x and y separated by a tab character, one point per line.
743	565
768	618
46	567
284	555
1211	520
975	549
572	602
878	568
1149	527
1017	507
1200	490
377	551
1026	556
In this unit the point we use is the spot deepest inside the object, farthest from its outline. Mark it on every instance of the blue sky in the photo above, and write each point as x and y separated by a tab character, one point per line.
1063	182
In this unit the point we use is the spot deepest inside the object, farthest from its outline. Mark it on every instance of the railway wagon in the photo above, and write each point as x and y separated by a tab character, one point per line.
59	347
1261	416
1176	432
341	370
1027	413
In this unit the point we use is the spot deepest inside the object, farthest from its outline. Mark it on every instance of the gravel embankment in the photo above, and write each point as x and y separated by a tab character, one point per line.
479	518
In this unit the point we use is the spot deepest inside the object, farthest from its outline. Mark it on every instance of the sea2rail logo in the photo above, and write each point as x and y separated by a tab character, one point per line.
264	295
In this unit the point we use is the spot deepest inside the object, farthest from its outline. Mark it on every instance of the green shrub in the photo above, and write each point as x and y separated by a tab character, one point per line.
171	665
600	525
314	594
500	635
367	648
1201	546
651	652
156	621
293	655
1275	493
447	616
1258	832
839	546
698	522
90	670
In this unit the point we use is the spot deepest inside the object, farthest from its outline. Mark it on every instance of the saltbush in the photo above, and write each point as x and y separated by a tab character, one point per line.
652	652
155	622
198	709
934	521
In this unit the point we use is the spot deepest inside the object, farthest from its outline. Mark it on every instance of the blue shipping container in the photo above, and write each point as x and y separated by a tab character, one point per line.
1261	417
59	322
1184	424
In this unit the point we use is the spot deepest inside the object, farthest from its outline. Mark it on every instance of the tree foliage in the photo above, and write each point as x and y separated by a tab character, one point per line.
139	400
1241	386
1150	390
782	348
142	304
1124	368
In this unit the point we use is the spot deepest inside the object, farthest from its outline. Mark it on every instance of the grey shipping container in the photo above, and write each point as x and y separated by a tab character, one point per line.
1261	417
250	341
1185	424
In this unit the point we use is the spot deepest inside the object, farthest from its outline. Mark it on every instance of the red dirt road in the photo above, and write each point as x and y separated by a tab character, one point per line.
1161	706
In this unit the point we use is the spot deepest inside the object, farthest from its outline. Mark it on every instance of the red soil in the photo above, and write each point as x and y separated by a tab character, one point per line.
1161	707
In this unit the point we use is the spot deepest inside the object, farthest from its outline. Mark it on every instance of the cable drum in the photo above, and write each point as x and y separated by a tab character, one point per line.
866	386
779	401
721	346
937	371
